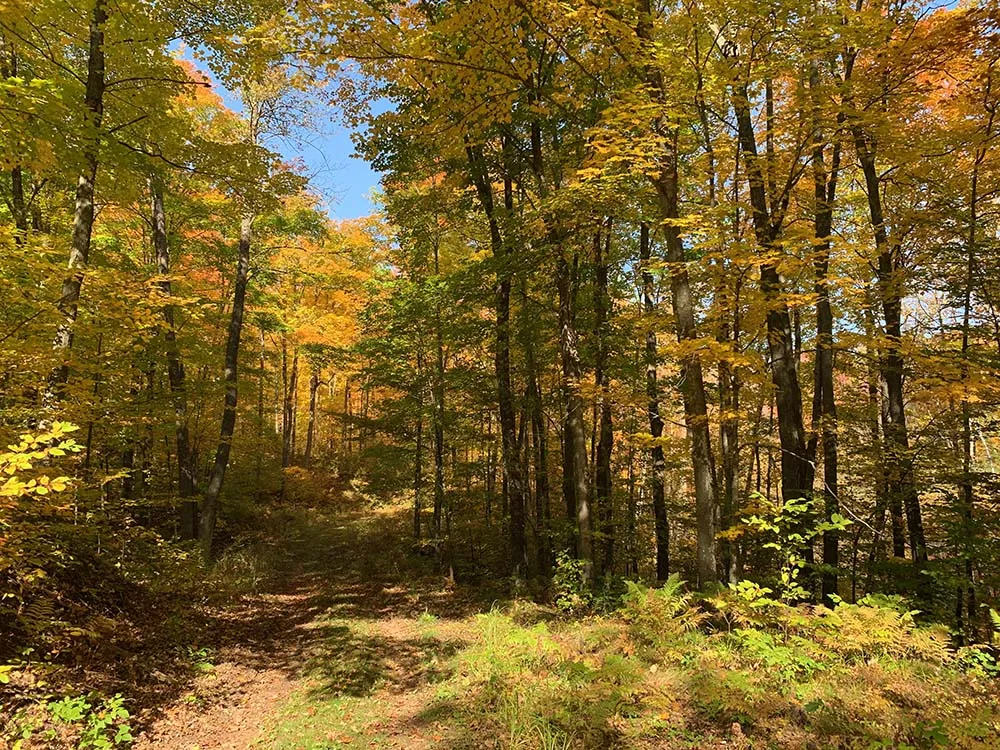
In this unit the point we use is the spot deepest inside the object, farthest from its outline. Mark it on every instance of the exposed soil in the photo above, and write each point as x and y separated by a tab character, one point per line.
346	622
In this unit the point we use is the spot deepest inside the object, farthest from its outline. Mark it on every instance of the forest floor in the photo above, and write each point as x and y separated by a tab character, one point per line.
329	630
345	650
361	642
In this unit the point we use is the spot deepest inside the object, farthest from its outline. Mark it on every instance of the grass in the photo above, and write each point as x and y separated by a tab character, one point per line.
400	666
606	682
387	653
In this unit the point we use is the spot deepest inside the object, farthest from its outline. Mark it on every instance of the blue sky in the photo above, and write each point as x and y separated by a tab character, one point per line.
343	181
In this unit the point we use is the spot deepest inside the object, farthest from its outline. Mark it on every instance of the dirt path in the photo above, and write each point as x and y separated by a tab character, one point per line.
239	685
346	650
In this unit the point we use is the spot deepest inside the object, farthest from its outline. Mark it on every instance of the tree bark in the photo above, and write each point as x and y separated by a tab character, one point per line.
692	379
17	203
729	376
513	480
575	464
418	448
311	428
210	506
491	475
539	442
661	522
605	430
631	511
768	216
288	414
345	427
438	396
967	490
83	215
175	368
18	208
825	191
261	377
693	385
900	481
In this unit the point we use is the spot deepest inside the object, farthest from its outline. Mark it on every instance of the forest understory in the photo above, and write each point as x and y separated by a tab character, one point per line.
329	630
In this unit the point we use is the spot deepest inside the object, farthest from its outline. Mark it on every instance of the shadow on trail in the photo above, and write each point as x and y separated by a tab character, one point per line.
355	664
342	613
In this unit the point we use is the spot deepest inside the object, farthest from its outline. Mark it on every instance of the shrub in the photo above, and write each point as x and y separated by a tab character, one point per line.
654	615
862	631
83	722
571	585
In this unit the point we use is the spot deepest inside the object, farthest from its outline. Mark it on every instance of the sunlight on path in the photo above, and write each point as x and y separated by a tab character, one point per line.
348	656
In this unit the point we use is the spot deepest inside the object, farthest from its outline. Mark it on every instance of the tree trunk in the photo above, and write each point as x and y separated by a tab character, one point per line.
418	449
294	395
288	414
513	480
261	376
438	396
331	393
825	191
631	555
311	429
210	507
575	466
539	437
657	464
728	335
729	405
878	419
967	592
9	69
128	451
901	486
175	368
83	215
37	224
491	475
693	386
17	203
605	431
345	427
796	468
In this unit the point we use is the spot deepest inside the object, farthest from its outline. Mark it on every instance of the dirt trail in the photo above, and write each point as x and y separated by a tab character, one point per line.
240	685
347	622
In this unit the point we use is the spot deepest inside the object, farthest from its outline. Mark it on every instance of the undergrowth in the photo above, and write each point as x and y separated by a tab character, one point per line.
669	670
